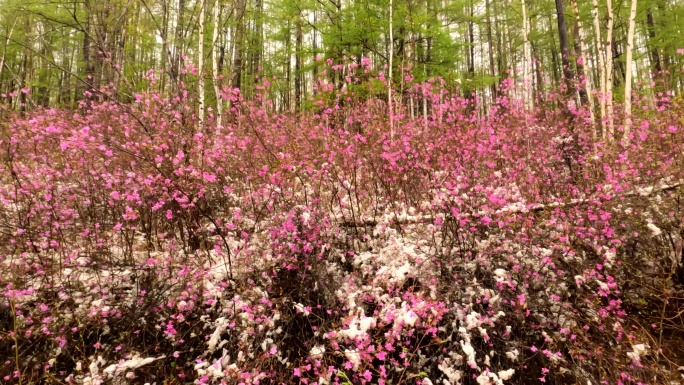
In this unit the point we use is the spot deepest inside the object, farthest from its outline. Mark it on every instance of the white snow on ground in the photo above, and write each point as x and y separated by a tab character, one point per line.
655	231
354	357
221	325
132	363
317	352
358	327
506	374
513	355
637	352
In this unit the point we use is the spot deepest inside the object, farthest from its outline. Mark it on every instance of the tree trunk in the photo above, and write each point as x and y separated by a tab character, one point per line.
314	44
554	56
257	42
583	71
656	66
608	52
215	65
577	54
565	52
87	43
539	83
298	63
628	72
288	69
470	57
200	54
666	59
527	65
601	61
4	51
655	56
165	43
500	54
44	74
178	45
490	43
238	45
24	75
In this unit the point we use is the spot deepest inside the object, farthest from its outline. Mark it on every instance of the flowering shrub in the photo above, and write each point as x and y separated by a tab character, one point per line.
139	246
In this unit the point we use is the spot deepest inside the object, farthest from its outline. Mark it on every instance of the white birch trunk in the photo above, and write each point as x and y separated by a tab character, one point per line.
601	63
527	66
7	40
214	66
425	108
200	53
608	52
587	71
628	72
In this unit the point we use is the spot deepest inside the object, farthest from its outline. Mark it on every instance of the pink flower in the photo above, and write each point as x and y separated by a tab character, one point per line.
367	375
533	348
62	342
130	214
211	178
521	298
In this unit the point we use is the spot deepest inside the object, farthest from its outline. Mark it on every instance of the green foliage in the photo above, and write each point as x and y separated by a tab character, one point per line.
43	43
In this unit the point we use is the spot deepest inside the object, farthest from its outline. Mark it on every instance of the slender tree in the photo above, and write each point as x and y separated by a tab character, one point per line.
490	50
608	53
628	71
200	60
587	85
9	31
215	64
568	74
601	60
527	65
299	42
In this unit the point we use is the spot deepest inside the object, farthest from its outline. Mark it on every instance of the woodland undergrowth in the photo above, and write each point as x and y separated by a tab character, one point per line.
326	247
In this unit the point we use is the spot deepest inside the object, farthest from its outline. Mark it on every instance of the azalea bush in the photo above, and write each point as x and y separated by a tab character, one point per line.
326	247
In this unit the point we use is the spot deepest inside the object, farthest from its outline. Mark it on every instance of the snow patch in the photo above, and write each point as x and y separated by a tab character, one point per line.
131	364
